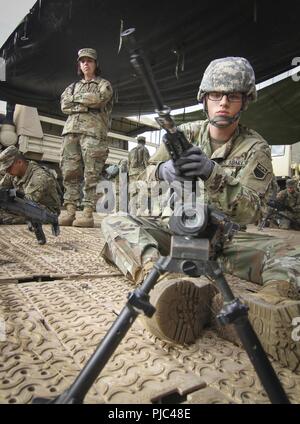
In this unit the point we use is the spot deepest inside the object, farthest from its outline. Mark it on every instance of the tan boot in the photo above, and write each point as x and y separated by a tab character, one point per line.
67	219
271	313
87	220
182	309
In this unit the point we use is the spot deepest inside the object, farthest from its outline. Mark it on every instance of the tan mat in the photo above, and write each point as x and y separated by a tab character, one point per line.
49	329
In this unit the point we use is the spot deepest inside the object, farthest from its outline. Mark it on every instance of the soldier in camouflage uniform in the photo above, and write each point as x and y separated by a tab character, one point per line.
290	199
138	159
88	104
37	183
234	165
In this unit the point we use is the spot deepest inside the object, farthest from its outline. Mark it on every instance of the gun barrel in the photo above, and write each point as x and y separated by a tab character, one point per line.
143	68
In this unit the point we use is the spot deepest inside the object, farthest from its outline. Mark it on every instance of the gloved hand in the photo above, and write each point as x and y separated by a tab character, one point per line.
168	172
194	163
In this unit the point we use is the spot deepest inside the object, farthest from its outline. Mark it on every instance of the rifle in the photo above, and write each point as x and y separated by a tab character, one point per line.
275	209
15	202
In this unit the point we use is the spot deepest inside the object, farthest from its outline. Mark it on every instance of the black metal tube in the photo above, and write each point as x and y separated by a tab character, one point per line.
142	67
260	361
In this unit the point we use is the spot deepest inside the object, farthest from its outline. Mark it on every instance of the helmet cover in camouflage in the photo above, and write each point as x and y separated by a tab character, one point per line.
87	52
291	183
229	74
7	157
141	138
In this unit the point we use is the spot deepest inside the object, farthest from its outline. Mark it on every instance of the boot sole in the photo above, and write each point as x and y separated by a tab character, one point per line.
273	326
83	224
182	310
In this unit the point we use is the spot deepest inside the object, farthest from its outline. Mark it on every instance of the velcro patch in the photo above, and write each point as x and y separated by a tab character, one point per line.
260	171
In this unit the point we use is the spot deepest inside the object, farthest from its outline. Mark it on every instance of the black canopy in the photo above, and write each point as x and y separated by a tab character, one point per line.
180	40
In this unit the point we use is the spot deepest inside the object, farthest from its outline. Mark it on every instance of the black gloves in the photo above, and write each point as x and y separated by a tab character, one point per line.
194	163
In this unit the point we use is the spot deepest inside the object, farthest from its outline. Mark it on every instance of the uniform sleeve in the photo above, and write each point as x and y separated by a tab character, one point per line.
95	100
69	105
242	196
6	181
146	157
38	187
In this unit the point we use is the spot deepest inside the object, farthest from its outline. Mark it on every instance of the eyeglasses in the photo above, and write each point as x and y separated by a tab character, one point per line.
216	96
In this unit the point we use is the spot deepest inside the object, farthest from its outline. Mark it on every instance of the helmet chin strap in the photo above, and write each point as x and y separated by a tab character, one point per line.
218	121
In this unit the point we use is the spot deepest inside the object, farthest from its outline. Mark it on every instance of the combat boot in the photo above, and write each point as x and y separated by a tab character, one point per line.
183	309
274	312
67	219
86	220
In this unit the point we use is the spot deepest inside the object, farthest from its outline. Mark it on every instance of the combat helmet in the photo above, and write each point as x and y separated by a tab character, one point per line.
291	183
229	74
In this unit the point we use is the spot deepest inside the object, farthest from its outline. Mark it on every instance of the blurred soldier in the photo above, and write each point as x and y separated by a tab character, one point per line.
290	201
234	164
88	103
138	159
36	182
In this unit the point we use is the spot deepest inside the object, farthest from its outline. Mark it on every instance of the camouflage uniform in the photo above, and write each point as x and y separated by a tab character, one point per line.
242	175
138	159
84	152
239	184
38	184
291	202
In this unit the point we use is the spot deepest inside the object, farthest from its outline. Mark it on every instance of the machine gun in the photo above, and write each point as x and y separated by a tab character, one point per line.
198	235
15	202
275	210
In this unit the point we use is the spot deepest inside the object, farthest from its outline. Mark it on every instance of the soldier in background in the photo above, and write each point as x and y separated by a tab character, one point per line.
290	201
88	103
138	159
234	165
36	182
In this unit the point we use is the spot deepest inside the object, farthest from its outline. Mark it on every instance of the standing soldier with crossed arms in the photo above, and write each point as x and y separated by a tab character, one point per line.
88	103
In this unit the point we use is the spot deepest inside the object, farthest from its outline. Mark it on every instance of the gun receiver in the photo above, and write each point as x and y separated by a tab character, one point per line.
16	203
175	141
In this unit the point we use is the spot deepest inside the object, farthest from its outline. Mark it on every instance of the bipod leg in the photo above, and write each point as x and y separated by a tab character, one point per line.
235	312
138	302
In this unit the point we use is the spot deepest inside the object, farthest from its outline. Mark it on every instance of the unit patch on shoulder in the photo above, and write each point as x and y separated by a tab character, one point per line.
260	171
